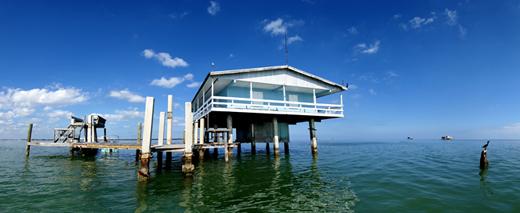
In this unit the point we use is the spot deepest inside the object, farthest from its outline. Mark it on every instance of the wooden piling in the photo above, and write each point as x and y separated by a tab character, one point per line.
253	142
187	166
275	137
286	147
267	149
29	138
312	133
139	140
239	148
144	170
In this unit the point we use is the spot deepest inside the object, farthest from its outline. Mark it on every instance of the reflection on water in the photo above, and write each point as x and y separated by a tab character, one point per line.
484	185
260	182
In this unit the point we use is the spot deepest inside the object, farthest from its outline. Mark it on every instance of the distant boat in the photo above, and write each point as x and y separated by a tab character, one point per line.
447	138
409	138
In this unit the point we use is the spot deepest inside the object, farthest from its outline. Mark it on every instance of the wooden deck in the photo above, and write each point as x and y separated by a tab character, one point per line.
162	148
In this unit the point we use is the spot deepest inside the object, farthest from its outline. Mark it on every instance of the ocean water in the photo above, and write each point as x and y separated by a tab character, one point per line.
389	176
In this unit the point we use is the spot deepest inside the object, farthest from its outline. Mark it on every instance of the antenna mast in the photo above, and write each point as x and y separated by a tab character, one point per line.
286	50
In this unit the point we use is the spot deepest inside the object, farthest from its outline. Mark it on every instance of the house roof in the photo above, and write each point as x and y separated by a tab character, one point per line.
269	68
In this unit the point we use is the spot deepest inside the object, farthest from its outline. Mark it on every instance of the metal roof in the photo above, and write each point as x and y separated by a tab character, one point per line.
268	68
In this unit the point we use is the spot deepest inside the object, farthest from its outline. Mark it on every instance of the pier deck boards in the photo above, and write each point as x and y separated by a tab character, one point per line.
165	147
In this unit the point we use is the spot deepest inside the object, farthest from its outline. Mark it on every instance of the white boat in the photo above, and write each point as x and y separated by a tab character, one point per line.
447	138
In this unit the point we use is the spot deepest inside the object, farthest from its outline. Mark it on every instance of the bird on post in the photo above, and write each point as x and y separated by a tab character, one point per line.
483	157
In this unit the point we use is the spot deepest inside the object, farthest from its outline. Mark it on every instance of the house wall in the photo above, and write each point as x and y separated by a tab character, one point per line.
266	94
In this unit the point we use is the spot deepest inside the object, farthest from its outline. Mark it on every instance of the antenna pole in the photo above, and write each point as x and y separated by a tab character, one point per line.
286	50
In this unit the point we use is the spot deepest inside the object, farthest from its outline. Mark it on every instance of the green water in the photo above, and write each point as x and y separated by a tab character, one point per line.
424	176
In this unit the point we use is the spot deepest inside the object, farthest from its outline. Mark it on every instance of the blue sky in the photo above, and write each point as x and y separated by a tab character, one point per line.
416	68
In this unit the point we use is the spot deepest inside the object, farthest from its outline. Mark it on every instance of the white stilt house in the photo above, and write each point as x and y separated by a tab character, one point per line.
259	104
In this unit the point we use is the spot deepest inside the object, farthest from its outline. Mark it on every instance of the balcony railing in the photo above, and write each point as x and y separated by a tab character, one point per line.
249	105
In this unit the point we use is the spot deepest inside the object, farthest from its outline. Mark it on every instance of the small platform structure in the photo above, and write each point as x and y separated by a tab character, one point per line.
259	105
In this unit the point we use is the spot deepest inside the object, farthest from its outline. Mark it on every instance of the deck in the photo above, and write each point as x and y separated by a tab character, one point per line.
262	106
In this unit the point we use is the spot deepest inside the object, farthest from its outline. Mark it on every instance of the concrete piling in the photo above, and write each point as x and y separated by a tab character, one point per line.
144	170
187	166
314	140
275	137
169	125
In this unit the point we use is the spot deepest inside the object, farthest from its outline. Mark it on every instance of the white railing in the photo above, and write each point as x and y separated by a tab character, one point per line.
221	103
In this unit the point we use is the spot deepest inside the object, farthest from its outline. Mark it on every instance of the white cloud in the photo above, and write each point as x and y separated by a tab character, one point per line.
57	114
214	8
193	85
21	103
368	48
372	92
451	17
167	82
293	39
172	81
418	22
188	77
391	74
121	115
165	58
127	95
276	27
16	105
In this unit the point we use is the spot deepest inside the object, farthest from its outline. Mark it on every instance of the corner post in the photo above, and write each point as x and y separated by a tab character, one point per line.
187	166
275	137
29	138
312	132
144	170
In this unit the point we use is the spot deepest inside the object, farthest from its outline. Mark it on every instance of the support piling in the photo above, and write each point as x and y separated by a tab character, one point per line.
29	138
187	166
144	170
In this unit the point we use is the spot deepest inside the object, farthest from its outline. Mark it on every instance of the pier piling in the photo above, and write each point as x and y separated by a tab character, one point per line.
29	138
187	166
275	137
169	125
312	132
139	141
144	170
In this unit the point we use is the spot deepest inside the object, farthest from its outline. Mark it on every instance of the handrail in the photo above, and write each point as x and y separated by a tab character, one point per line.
274	101
267	105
